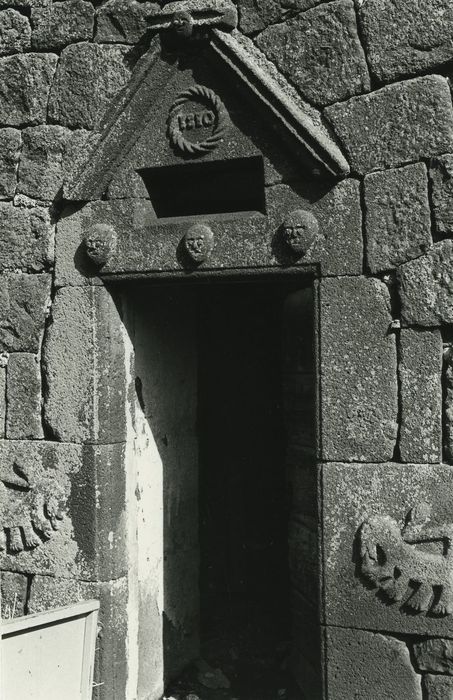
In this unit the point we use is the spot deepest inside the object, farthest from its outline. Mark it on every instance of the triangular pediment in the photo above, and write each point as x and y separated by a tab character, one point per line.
219	99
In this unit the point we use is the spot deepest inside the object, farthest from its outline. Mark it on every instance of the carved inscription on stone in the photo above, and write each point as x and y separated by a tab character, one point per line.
392	559
29	511
197	121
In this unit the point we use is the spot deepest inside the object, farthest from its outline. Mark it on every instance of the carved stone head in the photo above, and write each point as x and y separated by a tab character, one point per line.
182	24
100	242
198	242
300	228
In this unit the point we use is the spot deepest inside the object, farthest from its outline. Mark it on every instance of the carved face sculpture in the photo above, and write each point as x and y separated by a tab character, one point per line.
182	24
99	243
198	242
299	230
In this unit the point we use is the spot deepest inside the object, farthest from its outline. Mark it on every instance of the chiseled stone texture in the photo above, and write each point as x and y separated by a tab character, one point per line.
366	665
2	399
438	687
434	655
23	397
441	177
42	163
15	32
420	373
255	15
26	238
25	81
84	365
87	78
351	494
24	301
320	52
397	216
357	370
123	21
57	24
395	125
111	663
10	145
13	594
426	287
406	37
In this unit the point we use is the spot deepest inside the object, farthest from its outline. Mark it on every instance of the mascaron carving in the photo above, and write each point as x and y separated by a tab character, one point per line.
100	243
300	228
207	113
198	242
421	580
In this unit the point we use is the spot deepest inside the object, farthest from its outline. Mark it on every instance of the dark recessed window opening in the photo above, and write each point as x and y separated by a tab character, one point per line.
218	187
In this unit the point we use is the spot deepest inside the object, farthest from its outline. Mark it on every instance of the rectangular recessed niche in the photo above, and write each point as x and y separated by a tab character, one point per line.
218	187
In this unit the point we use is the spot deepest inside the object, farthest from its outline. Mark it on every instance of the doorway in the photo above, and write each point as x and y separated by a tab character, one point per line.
224	373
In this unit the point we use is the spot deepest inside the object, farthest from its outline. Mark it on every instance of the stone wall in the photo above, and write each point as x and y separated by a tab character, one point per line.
377	74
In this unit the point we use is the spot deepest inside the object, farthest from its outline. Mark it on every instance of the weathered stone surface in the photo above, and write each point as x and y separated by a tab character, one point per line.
366	665
320	52
420	373
58	24
112	645
14	591
441	177
87	78
23	397
438	687
123	20
434	655
24	300
397	216
426	287
418	124
24	88
84	365
42	163
406	37
2	399
354	495
15	32
448	404
358	370
26	238
255	15
10	144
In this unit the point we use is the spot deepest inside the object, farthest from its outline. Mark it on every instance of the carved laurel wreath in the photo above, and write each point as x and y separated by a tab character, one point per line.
208	96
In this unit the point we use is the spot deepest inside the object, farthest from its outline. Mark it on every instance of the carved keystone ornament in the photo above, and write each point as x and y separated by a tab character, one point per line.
300	228
100	243
197	121
198	242
421	580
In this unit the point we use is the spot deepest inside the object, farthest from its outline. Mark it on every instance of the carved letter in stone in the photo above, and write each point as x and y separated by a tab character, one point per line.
299	230
28	514
100	242
198	242
391	561
200	111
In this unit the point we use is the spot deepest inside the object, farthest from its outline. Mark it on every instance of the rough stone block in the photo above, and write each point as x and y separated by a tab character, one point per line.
406	37
111	664
87	78
397	216
357	370
320	52
438	687
26	238
375	575
426	287
441	177
365	665
2	399
420	373
23	397
448	404
24	300
85	367
10	145
58	24
42	163
123	21
24	88
14	593
434	655
255	16
15	32
418	124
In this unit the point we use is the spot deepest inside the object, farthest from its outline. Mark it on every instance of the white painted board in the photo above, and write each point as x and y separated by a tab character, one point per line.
50	655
